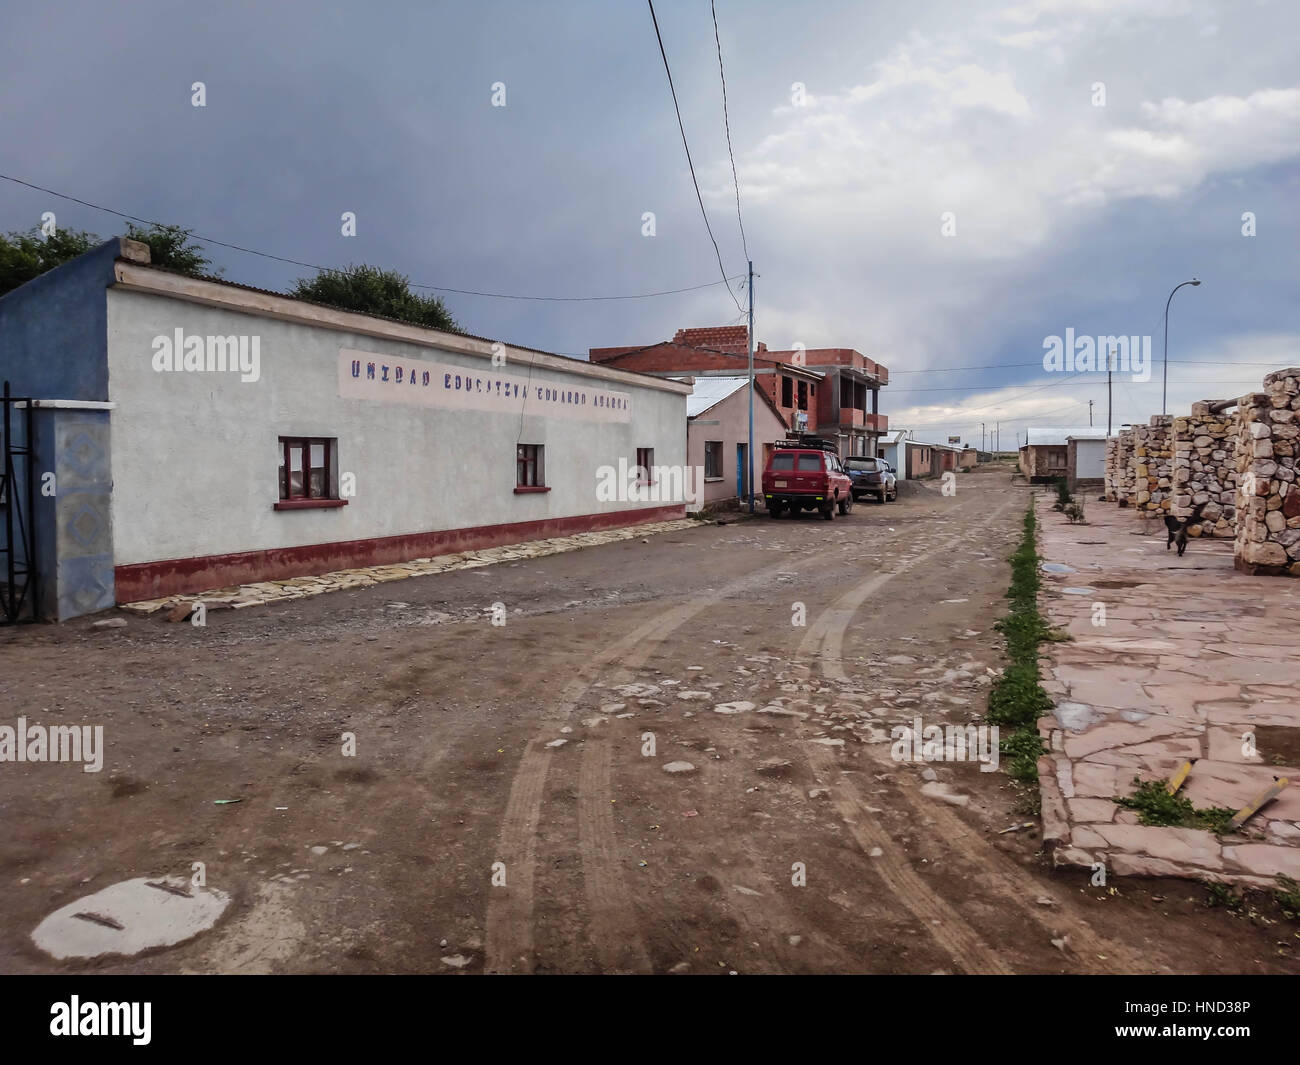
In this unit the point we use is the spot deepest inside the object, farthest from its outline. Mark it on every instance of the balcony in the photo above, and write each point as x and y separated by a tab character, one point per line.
852	418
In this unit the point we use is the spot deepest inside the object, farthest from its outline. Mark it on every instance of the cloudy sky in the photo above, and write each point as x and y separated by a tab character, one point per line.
1089	155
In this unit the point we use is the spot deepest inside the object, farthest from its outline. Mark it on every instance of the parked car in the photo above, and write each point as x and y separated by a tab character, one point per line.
872	477
806	475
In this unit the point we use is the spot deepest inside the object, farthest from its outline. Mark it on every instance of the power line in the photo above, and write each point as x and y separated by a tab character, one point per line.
676	107
726	119
413	284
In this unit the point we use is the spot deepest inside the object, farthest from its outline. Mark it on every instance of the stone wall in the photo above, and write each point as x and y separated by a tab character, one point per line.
1153	466
1205	469
1268	499
1122	468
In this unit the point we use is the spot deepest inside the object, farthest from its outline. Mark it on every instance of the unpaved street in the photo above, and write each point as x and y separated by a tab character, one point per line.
610	863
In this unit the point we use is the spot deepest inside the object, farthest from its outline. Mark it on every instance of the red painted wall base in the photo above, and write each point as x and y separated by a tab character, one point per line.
181	576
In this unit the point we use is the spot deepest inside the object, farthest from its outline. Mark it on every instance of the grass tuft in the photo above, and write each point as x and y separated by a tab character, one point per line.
1017	699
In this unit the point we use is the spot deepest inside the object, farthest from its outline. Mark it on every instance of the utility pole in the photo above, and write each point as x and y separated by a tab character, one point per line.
1110	365
749	455
1089	418
982	448
997	436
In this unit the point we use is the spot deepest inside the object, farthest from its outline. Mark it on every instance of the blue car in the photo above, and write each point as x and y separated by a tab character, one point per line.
872	477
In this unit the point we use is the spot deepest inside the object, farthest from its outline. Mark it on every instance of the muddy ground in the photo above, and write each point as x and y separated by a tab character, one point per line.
610	863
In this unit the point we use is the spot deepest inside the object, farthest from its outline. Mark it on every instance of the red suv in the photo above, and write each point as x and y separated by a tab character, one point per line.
806	475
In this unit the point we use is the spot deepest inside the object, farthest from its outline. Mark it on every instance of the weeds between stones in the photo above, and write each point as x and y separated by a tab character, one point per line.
1155	806
1017	699
1288	896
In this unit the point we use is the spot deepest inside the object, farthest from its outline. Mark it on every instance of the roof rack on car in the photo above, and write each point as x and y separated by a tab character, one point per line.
805	441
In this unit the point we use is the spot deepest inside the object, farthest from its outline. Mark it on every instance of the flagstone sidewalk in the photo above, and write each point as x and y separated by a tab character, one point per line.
246	595
1191	660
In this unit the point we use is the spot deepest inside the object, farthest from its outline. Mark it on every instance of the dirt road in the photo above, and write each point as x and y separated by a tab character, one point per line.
463	836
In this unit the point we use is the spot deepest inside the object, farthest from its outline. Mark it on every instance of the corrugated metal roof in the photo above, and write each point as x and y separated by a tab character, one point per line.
710	391
1038	436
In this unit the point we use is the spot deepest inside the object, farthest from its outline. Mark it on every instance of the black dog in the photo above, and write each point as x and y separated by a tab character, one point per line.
1178	528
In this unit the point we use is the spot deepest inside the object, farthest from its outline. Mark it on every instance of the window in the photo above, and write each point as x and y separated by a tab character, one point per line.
713	459
809	463
803	395
782	461
530	476
306	475
869	465
787	392
645	464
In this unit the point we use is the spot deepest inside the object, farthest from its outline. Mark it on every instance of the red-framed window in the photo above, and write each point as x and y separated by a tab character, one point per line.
305	468
529	472
645	464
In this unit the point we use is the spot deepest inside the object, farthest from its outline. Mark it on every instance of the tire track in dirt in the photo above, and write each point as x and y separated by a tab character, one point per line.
824	642
509	938
945	925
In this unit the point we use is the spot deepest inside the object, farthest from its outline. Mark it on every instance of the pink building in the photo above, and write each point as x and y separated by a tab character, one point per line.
717	435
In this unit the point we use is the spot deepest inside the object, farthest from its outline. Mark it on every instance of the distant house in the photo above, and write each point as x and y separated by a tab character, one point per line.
717	435
914	459
1072	453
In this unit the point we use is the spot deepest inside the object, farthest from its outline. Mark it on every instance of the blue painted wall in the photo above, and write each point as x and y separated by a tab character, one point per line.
54	345
54	329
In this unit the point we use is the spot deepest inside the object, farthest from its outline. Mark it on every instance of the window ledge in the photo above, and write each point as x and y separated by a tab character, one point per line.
710	480
310	504
527	489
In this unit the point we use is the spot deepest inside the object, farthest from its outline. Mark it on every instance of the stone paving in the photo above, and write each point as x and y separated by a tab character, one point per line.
246	595
1194	661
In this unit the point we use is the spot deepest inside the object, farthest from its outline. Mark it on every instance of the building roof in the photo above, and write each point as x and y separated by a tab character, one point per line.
1037	436
904	436
133	272
710	391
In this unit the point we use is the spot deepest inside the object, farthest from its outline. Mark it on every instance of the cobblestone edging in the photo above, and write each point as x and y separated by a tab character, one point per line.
246	595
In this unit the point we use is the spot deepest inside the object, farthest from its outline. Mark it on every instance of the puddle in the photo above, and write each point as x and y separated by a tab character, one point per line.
1058	567
1079	591
129	917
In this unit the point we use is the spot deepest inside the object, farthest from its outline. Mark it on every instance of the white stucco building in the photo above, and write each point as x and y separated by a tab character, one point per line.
341	439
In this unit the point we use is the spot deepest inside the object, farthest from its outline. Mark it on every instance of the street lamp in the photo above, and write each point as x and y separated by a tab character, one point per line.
1164	386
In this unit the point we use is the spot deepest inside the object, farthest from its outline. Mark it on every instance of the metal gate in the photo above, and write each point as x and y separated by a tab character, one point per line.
17	514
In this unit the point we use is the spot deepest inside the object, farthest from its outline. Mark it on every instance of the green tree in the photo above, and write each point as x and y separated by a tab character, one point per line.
374	291
174	248
25	255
